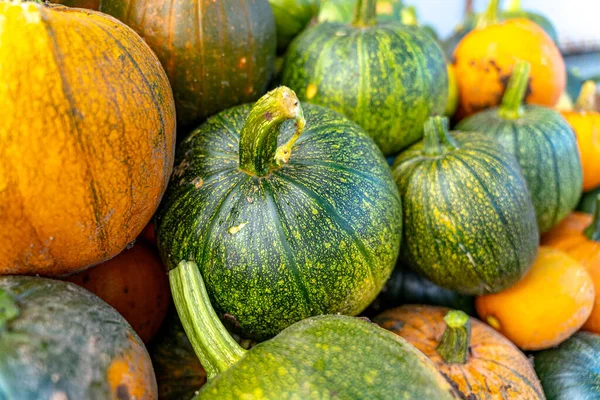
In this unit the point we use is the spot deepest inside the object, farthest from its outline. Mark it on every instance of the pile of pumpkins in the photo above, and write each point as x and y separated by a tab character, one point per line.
241	179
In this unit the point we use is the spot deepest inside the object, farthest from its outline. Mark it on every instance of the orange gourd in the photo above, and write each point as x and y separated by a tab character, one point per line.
579	236
585	121
135	283
87	137
484	59
550	303
480	362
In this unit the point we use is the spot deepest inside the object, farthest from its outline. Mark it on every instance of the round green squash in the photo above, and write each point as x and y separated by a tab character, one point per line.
322	357
469	224
571	370
217	54
59	341
282	233
388	78
588	201
291	17
544	144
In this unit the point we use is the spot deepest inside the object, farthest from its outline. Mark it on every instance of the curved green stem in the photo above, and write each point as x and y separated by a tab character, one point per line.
437	139
365	13
587	97
454	346
514	6
408	16
512	101
593	231
490	17
8	309
259	154
214	346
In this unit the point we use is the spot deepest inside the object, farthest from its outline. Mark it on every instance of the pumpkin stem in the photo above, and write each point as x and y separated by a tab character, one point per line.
514	5
512	101
408	16
8	309
259	154
587	97
454	345
365	13
437	138
593	231
214	346
490	17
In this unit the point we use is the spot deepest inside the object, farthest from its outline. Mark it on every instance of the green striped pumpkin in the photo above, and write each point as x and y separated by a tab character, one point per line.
291	17
469	224
282	237
543	143
388	78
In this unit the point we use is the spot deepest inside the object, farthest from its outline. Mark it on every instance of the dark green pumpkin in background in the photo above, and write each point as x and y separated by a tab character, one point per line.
588	201
291	17
469	224
543	143
386	77
283	223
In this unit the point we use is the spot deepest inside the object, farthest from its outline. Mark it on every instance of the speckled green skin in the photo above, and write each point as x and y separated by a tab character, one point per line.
469	224
571	370
291	16
389	78
588	201
329	357
320	235
546	148
61	344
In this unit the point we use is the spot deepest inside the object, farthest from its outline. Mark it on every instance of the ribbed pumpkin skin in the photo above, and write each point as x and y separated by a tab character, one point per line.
217	54
66	343
325	357
319	235
572	370
495	368
87	136
389	78
469	224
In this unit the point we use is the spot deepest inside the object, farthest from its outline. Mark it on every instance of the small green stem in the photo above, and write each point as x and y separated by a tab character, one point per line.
365	13
437	139
490	17
587	97
214	346
593	231
408	16
512	101
514	6
8	309
454	345
259	154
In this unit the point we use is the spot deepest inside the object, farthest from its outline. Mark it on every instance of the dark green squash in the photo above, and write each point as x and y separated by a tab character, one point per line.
291	17
588	201
571	370
388	78
282	237
330	356
217	54
343	11
544	144
469	224
59	341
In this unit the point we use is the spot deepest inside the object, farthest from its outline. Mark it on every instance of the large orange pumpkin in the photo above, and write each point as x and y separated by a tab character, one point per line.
484	59
585	121
135	283
87	135
480	362
579	236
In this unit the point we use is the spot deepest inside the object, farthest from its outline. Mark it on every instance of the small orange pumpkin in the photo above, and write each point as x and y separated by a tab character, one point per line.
484	59
480	362
550	303
135	283
579	236
585	121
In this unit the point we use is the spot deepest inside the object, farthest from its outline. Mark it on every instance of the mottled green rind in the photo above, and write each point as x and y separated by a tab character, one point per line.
291	17
546	148
330	357
343	11
571	370
320	235
179	374
217	54
588	201
469	224
62	342
389	79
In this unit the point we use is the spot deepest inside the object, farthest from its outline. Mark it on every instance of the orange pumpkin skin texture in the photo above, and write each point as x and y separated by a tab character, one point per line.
484	59
495	368
550	303
87	135
135	283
